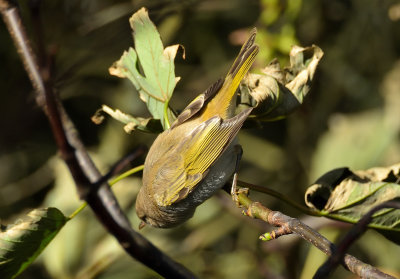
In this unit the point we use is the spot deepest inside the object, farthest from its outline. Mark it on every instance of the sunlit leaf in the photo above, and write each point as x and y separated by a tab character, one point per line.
23	241
345	195
132	123
277	92
149	67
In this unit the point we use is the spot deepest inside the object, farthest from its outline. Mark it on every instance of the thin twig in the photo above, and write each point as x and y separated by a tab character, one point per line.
122	163
356	231
271	192
14	25
112	182
292	225
101	199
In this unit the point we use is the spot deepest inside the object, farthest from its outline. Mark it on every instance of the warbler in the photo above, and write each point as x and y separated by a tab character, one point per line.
198	154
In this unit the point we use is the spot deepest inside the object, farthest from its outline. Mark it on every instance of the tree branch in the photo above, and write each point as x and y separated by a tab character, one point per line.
356	231
288	225
101	199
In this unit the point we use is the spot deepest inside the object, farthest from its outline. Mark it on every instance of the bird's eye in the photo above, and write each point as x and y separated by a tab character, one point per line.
142	217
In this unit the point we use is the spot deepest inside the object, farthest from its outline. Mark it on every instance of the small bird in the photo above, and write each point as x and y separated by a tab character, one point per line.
198	154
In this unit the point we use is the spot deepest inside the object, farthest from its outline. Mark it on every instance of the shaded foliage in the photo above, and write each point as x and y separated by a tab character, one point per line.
350	118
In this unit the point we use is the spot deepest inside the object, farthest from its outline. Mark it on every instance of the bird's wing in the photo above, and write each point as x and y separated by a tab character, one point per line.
189	162
197	104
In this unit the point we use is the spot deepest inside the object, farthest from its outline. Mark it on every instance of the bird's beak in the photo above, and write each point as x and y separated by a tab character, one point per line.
142	225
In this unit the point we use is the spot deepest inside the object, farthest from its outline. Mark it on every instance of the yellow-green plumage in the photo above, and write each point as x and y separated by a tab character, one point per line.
222	102
195	157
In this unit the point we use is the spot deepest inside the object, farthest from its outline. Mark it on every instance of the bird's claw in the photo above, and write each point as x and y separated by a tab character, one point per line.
235	191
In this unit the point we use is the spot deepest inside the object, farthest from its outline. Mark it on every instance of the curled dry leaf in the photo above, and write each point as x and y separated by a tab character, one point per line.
277	92
132	123
347	196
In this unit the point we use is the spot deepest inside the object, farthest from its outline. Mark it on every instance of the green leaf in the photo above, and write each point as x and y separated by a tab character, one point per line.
156	82
23	241
347	196
277	92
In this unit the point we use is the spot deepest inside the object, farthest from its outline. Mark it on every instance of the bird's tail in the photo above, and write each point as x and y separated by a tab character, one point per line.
223	99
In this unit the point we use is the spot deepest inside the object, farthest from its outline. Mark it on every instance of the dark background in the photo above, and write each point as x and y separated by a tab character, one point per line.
350	118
